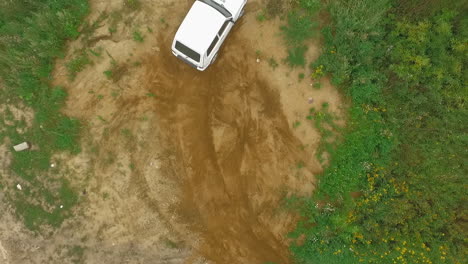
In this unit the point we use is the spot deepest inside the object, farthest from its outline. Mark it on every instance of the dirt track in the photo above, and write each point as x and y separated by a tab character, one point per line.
182	166
237	150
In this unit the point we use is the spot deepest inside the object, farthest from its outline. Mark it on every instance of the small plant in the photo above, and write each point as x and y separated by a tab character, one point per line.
89	29
272	62
261	16
132	4
101	118
301	76
115	18
115	94
137	36
126	133
296	56
164	22
112	29
108	74
151	95
300	164
317	72
317	85
77	64
97	52
258	53
116	71
296	124
171	244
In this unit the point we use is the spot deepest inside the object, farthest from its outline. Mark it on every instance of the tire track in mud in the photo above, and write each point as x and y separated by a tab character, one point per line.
237	151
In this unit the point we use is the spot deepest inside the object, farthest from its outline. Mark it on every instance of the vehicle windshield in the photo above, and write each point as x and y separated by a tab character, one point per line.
187	51
218	7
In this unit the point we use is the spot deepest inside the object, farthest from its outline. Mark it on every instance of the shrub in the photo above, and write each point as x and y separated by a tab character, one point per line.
393	190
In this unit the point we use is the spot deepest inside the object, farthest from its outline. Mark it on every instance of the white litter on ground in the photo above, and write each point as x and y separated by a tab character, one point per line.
22	146
18	186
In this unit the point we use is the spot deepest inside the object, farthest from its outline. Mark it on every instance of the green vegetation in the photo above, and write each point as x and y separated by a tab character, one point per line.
296	56
32	35
301	76
394	190
273	63
132	4
138	37
78	63
171	244
300	27
76	253
261	16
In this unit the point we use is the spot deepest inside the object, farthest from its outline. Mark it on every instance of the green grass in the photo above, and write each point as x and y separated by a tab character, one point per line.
138	37
171	244
301	76
261	16
76	253
34	216
300	27
273	63
404	146
32	36
302	24
132	4
296	56
77	64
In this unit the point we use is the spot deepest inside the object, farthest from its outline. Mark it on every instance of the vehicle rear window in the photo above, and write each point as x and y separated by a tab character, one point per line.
187	51
213	44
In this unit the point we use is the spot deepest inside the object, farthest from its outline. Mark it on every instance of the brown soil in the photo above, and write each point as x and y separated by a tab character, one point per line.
181	166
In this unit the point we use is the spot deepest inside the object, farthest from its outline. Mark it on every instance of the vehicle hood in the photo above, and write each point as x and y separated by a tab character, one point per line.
200	27
231	5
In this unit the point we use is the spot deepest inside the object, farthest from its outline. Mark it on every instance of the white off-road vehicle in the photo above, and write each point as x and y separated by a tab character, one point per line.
204	29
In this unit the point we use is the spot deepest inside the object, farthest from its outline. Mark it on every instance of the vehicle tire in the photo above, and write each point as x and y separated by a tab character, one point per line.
214	58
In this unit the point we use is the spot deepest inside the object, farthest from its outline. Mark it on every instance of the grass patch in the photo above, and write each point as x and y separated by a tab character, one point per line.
171	244
393	190
77	64
132	4
296	56
261	16
138	37
116	71
301	26
32	36
273	63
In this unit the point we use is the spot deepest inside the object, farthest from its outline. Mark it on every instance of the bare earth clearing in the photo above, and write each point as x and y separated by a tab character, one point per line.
179	166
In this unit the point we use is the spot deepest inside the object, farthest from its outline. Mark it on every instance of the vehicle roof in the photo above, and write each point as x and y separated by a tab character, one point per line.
200	27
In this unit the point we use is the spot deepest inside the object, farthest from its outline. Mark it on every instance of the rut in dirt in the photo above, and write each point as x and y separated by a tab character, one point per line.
236	148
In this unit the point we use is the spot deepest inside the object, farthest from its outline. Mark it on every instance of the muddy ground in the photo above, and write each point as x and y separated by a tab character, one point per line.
180	166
